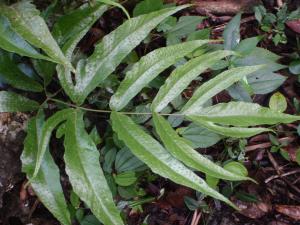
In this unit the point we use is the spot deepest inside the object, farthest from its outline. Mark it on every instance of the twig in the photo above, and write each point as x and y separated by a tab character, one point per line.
196	217
222	26
268	144
279	172
33	208
282	175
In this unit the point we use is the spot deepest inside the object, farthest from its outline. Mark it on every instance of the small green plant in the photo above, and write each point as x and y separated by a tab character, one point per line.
82	78
275	23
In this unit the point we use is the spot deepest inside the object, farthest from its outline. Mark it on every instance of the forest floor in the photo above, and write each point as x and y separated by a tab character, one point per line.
277	194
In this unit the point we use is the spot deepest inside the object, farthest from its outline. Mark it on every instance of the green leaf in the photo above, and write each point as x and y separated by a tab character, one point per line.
167	24
126	161
143	114
181	77
45	135
70	28
75	200
110	52
84	171
46	184
95	136
11	102
237	168
12	75
157	158
260	56
278	102
247	45
178	147
45	69
147	6
199	137
244	196
109	159
90	220
113	3
185	26
231	33
260	12
212	181
294	15
12	42
192	204
149	67
26	21
265	82
126	178
243	114
294	67
237	132
216	85
199	35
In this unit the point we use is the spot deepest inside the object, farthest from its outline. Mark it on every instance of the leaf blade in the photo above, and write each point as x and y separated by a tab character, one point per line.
157	158
46	132
182	76
15	77
12	102
12	42
84	170
237	132
149	67
231	33
185	153
26	21
216	85
47	182
243	114
70	28
113	48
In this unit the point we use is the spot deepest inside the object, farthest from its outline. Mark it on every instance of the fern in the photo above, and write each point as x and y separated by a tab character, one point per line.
170	156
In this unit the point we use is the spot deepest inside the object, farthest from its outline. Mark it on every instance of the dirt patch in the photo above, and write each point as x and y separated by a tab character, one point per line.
12	126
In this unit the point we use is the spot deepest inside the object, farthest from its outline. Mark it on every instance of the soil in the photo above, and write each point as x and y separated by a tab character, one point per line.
278	191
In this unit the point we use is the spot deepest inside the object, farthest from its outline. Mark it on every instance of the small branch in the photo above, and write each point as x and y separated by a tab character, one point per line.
282	175
279	172
196	217
268	144
109	111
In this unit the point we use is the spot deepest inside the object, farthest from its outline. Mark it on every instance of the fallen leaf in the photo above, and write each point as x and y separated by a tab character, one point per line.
277	223
252	210
292	211
176	198
292	150
294	25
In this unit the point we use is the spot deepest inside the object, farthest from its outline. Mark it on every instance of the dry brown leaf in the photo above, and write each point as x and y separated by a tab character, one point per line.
294	25
252	210
292	211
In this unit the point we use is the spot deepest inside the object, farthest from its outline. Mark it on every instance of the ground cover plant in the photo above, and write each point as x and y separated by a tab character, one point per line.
119	111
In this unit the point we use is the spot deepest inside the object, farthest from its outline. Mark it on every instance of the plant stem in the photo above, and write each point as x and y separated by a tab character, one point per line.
109	111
